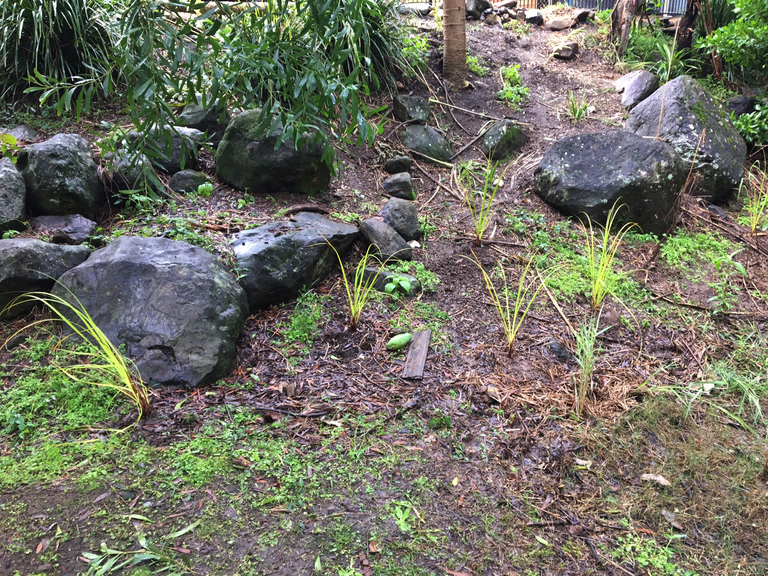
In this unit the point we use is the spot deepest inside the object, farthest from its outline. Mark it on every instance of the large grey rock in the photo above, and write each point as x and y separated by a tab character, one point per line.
410	108
687	111
475	8
428	142
172	149
174	307
60	176
277	260
387	243
502	139
636	87
22	132
590	172
187	181
13	195
211	119
29	265
532	17
740	105
398	164
559	24
72	229
247	160
403	217
133	171
567	51
400	186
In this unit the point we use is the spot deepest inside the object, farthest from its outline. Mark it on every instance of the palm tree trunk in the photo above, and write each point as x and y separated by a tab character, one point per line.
455	47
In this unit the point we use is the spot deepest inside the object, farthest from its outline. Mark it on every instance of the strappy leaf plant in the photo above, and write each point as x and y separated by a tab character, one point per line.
479	203
511	310
602	246
101	364
586	342
754	192
359	287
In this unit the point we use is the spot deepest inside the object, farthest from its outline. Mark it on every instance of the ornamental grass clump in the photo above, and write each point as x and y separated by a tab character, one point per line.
479	204
754	191
511	311
601	253
360	288
101	364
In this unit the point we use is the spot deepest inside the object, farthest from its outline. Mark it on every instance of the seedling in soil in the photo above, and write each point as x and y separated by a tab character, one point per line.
513	92
359	289
398	286
480	204
586	337
511	317
602	253
577	109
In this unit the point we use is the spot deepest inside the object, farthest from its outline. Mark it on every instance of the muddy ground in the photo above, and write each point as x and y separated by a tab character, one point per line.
318	457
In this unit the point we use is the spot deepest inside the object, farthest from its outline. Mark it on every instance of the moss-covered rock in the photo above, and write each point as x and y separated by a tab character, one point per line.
679	113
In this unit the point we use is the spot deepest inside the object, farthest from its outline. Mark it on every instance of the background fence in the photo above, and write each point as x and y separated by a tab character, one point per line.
669	7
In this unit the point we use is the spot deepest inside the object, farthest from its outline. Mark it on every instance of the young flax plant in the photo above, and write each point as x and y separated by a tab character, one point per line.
480	204
601	253
104	367
586	339
755	188
360	288
511	311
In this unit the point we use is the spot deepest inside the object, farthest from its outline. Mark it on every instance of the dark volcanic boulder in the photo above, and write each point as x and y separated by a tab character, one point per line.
741	105
60	176
504	138
13	194
687	112
636	87
277	260
176	309
247	160
172	149
211	119
29	265
590	172
475	8
72	229
398	164
428	142
187	181
400	186
410	108
387	243
403	217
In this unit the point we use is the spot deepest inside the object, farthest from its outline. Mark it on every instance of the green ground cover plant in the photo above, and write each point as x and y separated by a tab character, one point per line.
513	91
477	66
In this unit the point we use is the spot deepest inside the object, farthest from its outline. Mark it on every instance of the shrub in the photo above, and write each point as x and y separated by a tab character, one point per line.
754	127
63	40
743	42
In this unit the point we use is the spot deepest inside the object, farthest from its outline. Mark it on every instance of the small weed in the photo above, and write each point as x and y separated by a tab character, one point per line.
348	217
416	51
513	92
518	27
477	66
205	189
306	318
647	554
428	229
429	280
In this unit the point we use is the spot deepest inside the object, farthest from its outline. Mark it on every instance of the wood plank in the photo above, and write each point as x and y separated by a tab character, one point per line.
417	355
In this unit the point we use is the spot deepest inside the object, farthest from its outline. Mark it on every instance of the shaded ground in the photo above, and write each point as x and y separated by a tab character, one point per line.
315	456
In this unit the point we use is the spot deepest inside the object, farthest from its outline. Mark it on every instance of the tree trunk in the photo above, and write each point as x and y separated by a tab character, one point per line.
686	24
455	46
624	13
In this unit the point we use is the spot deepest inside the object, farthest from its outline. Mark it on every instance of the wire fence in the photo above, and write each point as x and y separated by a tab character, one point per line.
668	7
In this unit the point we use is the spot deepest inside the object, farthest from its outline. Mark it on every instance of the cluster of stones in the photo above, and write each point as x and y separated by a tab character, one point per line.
672	131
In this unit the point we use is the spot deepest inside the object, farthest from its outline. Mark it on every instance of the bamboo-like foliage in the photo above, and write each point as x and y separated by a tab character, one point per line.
601	252
105	367
511	311
59	39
